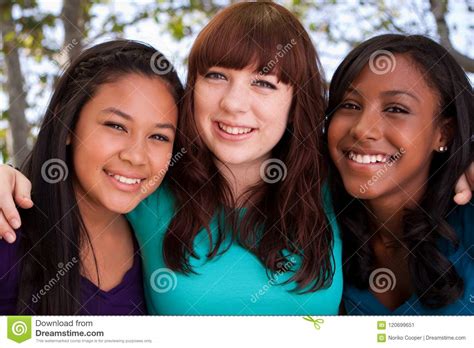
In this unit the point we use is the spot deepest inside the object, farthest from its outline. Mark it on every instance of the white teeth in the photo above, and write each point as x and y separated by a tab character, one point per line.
366	159
234	130
124	179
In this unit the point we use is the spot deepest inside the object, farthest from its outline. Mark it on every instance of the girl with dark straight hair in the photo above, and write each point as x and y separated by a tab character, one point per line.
108	132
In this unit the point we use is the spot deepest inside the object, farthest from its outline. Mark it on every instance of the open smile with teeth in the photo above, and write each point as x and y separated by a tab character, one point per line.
368	159
234	130
125	180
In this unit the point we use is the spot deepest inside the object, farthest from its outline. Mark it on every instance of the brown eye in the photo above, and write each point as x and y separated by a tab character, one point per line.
396	110
349	106
115	126
264	84
214	76
160	137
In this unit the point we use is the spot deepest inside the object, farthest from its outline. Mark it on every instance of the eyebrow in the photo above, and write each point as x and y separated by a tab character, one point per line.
398	92
386	93
266	74
128	117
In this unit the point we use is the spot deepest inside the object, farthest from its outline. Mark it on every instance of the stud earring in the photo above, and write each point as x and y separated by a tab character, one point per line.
443	148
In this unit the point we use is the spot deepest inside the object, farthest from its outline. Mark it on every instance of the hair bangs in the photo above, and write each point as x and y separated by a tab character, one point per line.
256	37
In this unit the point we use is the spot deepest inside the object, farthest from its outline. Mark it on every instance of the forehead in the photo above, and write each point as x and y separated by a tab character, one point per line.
400	73
140	96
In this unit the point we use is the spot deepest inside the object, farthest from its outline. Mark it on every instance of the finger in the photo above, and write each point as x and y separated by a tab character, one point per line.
9	211
22	191
6	232
463	191
463	198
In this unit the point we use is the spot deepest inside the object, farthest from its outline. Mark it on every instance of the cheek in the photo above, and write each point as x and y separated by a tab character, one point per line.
203	105
274	115
337	129
160	159
416	140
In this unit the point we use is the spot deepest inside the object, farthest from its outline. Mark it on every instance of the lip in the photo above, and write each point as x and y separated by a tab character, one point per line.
366	168
231	137
122	186
233	124
127	175
357	150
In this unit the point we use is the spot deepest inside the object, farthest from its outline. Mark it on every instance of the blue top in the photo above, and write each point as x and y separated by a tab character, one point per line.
126	298
358	301
233	283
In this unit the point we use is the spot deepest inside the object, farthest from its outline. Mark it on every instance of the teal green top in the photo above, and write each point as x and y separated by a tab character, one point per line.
233	283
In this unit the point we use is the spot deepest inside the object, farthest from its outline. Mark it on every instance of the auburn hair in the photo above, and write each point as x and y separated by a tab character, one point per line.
283	216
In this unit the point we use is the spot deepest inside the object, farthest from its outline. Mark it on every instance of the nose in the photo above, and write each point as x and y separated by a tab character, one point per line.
236	98
367	126
134	152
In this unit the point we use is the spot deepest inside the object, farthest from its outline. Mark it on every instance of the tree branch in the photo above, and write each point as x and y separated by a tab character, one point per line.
439	9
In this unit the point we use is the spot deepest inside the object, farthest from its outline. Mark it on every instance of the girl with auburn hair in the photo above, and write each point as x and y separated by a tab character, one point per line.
237	239
400	134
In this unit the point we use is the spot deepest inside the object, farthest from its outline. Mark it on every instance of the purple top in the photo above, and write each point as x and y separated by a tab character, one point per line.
127	298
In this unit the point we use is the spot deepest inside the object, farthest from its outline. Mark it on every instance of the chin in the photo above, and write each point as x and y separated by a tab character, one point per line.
231	159
361	190
122	206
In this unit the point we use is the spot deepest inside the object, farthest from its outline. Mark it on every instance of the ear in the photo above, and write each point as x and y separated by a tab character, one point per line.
445	133
68	139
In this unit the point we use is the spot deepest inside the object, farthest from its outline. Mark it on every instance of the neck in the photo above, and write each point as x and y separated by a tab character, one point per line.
99	221
387	211
241	177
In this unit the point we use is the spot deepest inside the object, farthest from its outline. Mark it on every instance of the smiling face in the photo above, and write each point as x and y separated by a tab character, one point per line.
384	134
240	114
123	141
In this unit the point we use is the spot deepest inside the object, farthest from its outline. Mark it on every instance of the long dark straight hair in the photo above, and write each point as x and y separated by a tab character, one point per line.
433	276
284	215
53	231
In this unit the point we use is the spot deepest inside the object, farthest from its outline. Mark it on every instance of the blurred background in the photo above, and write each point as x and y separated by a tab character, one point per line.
39	37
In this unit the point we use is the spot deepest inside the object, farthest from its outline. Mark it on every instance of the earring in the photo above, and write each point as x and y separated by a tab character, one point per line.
325	123
443	149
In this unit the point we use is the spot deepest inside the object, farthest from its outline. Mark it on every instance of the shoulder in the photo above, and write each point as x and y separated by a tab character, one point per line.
157	208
